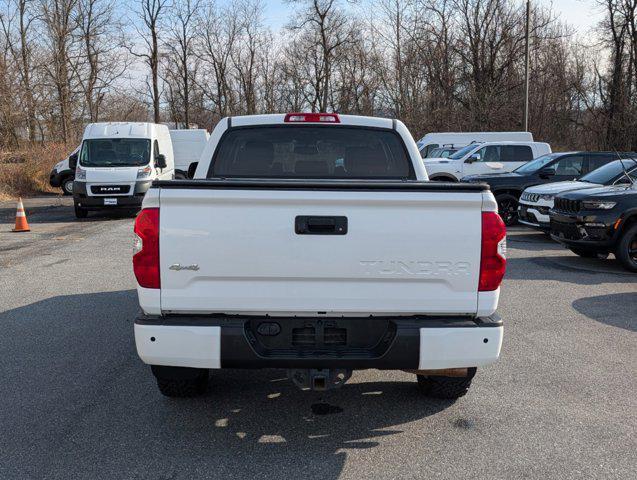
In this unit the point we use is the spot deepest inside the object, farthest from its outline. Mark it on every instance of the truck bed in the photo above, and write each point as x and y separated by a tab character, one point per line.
240	246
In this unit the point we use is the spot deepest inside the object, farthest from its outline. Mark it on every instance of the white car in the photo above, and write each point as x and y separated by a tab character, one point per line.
314	242
483	158
536	202
461	139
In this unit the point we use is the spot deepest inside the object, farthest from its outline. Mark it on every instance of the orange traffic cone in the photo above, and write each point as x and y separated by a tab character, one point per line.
21	224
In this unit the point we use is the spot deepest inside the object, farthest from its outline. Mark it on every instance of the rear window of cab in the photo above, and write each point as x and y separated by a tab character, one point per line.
304	151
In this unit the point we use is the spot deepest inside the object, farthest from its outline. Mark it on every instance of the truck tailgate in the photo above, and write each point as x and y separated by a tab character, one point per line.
237	251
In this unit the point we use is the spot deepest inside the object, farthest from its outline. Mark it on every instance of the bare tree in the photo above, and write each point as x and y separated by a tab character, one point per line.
19	43
102	63
59	26
252	46
324	32
150	13
180	45
220	30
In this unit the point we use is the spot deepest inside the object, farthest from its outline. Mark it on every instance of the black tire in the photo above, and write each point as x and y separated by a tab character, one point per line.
67	186
626	251
588	253
444	179
446	387
194	382
507	208
80	212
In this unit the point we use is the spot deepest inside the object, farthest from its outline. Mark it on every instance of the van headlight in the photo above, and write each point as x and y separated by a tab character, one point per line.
80	174
144	172
597	205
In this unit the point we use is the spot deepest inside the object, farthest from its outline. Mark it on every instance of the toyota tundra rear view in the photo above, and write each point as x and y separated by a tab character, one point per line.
315	243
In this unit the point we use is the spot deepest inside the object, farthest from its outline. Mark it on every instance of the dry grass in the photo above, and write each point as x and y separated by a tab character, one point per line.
25	172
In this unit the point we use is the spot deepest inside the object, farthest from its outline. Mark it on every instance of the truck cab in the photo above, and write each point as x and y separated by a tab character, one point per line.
116	164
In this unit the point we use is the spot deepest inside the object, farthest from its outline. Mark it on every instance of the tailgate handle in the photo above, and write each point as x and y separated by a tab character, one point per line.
320	225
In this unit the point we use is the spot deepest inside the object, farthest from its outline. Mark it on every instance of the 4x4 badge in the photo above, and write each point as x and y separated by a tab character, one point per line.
177	267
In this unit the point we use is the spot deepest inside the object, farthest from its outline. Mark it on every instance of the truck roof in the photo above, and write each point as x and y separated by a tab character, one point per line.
279	118
122	130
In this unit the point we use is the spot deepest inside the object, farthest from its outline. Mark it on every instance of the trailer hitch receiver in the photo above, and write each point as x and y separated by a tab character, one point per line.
319	379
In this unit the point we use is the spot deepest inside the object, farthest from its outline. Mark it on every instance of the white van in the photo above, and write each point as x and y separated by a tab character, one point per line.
117	163
187	148
484	157
461	139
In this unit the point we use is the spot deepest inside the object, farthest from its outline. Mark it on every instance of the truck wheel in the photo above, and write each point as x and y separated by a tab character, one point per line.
507	208
181	382
627	249
445	387
443	179
80	212
587	253
67	186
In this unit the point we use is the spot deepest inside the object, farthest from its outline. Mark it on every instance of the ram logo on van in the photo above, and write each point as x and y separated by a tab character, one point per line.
414	267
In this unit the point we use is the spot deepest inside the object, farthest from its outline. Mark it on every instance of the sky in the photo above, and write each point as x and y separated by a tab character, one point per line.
580	14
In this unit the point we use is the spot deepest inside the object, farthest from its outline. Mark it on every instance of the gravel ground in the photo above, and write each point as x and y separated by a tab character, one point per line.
78	403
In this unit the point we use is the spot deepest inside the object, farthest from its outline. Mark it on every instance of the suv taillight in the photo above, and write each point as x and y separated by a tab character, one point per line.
492	259
146	260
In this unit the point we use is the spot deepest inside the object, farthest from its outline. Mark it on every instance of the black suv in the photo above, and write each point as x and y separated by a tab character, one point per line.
553	167
598	221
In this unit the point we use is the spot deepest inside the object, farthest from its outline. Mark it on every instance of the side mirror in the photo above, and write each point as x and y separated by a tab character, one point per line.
473	158
546	172
160	161
73	161
192	168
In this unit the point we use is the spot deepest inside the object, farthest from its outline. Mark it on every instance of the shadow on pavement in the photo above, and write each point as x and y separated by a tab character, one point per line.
60	214
534	241
77	398
617	309
568	268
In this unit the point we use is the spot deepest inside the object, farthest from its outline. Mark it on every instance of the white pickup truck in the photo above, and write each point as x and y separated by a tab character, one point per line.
315	243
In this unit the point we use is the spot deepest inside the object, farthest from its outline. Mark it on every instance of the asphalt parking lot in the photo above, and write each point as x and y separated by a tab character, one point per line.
78	403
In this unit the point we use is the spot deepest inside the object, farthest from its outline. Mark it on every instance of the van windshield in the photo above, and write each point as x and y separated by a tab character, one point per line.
115	152
321	152
463	151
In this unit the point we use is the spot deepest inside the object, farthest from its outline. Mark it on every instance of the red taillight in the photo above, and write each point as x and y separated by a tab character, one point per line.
312	118
146	260
492	260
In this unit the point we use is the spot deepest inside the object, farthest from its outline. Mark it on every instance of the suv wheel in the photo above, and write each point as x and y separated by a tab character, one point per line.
507	208
445	387
627	249
67	186
589	253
